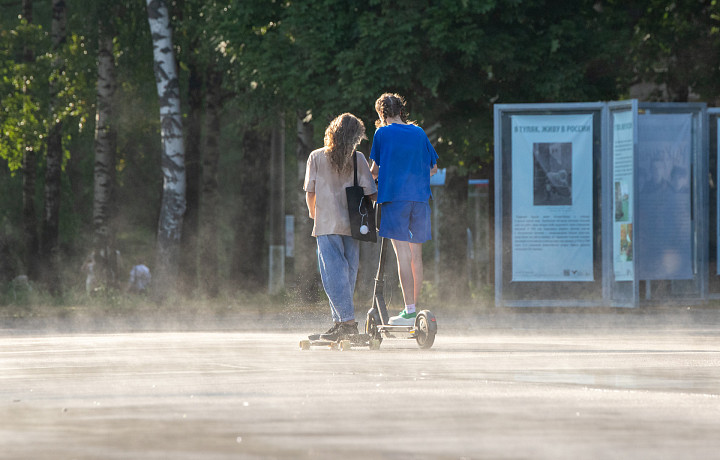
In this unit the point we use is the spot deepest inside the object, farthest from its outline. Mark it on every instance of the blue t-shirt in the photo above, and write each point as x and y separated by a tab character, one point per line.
405	157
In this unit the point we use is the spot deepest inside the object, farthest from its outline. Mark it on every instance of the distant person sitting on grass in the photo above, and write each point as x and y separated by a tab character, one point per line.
139	279
329	171
88	267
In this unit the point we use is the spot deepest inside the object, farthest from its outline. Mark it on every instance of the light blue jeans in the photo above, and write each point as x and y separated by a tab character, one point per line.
338	259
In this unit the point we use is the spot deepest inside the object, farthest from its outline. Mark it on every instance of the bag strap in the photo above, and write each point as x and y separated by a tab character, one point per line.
355	167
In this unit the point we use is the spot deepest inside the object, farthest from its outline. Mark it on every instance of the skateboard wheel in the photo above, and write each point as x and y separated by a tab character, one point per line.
375	344
345	345
304	344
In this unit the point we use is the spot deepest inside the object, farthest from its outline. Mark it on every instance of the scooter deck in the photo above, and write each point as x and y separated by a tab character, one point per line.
397	332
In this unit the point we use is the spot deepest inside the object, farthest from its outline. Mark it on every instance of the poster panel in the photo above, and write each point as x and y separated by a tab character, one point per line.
664	245
717	133
552	207
623	167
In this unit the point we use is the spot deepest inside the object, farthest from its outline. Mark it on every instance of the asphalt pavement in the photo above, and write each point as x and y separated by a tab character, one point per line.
496	385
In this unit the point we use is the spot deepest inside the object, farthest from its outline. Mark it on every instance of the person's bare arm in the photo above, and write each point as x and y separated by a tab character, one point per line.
374	170
433	171
310	200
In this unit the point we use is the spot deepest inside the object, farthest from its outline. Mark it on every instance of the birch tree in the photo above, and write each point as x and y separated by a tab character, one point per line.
105	151
172	205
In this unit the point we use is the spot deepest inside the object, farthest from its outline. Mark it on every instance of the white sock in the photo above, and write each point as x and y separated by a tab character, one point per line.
410	308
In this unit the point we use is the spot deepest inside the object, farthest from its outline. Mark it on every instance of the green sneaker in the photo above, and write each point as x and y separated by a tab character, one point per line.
403	319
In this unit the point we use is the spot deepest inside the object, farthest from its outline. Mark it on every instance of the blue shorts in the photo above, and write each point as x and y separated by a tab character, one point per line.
405	221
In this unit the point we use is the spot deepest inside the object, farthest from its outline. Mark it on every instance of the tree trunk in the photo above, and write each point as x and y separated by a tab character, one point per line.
53	173
189	253
306	273
172	206
276	259
27	14
29	175
210	195
104	168
30	221
249	261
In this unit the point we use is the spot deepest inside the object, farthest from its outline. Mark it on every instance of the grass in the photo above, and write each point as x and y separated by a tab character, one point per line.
25	307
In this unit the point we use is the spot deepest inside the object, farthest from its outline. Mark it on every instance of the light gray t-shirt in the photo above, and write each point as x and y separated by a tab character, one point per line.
331	211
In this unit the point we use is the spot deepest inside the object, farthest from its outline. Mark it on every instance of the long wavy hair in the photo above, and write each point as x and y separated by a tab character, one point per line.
342	136
390	105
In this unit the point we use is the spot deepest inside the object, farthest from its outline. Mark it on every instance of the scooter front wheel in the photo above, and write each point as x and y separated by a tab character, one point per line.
371	326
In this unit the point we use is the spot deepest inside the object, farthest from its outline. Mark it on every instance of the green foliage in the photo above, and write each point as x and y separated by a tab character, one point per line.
451	59
676	45
25	76
76	83
23	94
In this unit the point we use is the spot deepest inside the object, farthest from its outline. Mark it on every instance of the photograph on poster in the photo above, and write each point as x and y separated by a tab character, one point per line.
552	174
667	168
626	254
622	202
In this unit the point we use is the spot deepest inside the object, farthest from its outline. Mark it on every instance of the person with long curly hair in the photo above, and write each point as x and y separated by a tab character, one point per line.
329	171
403	161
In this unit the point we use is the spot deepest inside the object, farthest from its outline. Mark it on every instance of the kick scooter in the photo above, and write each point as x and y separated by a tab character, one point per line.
377	327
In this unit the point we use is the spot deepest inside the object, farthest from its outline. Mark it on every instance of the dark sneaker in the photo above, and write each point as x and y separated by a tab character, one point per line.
329	331
343	331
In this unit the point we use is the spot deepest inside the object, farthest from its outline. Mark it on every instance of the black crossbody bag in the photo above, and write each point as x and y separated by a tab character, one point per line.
360	210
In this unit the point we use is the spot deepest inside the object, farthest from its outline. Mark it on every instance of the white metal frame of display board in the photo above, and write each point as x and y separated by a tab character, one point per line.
713	116
620	293
700	194
598	109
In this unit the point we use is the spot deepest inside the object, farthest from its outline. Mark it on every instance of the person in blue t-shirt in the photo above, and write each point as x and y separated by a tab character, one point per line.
403	161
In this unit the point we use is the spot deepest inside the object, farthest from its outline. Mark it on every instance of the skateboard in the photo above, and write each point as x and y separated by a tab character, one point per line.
359	340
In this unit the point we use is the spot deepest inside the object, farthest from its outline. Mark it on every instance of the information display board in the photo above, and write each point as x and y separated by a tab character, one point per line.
547	203
715	153
623	156
621	284
602	204
664	197
552	219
